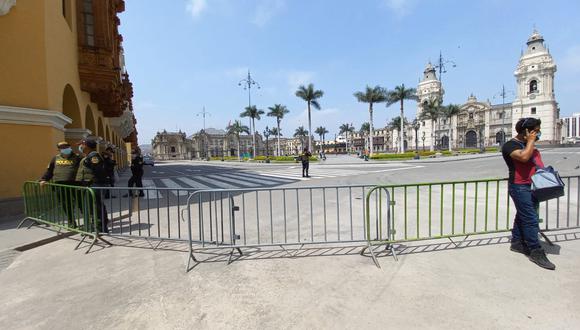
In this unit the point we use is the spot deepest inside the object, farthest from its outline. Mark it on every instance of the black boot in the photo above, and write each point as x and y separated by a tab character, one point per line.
538	256
519	247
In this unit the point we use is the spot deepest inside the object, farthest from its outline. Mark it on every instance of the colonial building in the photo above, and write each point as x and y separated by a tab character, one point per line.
171	146
206	143
480	123
63	78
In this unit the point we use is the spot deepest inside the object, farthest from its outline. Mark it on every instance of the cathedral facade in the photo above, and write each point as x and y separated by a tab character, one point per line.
482	124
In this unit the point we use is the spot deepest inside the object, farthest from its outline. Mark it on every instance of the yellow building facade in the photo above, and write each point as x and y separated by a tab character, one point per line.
62	77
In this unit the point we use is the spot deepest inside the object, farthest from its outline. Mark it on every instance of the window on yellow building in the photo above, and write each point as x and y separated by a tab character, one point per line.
89	20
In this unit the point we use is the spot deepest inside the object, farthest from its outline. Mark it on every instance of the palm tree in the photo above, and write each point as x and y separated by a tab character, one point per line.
346	129
400	94
372	95
311	96
431	111
321	131
237	128
448	112
300	132
395	124
278	111
365	131
254	113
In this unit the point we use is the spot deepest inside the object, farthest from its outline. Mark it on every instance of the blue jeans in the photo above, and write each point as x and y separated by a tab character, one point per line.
526	223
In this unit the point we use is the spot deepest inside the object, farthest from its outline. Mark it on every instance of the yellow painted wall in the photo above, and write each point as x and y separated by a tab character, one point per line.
38	58
22	56
26	151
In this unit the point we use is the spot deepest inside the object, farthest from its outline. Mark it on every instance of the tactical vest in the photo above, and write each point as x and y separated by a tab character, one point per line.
65	169
91	169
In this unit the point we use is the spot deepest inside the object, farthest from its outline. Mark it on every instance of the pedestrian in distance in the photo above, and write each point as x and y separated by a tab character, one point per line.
136	173
91	173
305	158
521	158
62	169
110	164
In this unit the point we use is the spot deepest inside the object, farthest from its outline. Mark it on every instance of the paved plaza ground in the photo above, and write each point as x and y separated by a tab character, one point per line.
435	284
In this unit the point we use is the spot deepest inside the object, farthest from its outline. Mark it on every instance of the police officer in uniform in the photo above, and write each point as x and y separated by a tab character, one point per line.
62	169
92	173
305	158
136	172
110	164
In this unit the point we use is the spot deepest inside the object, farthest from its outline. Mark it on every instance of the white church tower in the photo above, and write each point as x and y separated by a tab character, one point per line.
429	88
535	89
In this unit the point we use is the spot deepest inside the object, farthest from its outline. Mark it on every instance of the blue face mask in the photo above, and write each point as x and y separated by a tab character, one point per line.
66	151
81	149
539	135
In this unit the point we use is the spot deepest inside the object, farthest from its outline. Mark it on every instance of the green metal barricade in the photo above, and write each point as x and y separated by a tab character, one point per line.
425	211
72	208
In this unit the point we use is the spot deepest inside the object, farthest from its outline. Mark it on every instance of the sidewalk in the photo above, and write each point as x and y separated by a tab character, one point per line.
482	286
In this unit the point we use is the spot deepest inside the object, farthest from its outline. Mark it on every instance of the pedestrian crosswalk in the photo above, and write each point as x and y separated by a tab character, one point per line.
183	185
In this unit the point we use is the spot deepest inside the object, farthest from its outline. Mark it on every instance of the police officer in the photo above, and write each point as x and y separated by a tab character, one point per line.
62	169
109	164
136	172
305	158
92	173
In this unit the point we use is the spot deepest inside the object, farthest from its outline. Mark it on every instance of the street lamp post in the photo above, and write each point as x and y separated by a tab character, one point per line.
423	138
503	94
416	126
267	133
247	84
481	141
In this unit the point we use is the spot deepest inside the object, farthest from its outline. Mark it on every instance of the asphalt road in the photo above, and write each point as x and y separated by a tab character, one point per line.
343	170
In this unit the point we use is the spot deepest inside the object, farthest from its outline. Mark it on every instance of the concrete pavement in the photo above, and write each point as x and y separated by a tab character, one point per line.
485	286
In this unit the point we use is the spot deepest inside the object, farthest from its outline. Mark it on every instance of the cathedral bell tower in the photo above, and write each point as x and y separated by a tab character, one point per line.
535	88
429	88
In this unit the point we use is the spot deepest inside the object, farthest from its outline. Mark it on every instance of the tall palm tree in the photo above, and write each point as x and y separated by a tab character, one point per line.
254	113
431	111
372	95
321	131
236	129
300	132
448	112
311	96
365	131
278	111
399	95
395	124
346	129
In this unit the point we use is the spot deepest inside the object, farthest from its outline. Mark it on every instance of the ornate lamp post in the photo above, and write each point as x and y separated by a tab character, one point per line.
267	133
416	125
247	84
423	138
481	141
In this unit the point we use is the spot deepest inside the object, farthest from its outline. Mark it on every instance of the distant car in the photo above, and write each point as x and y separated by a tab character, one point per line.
148	160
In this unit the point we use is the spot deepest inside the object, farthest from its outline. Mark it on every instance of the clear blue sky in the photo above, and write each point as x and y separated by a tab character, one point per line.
183	55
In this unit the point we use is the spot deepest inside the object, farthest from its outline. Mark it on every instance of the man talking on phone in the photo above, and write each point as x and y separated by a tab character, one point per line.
521	158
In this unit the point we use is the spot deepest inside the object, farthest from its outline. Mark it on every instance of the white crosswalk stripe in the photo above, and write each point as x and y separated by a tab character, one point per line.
233	180
256	179
217	183
169	183
194	184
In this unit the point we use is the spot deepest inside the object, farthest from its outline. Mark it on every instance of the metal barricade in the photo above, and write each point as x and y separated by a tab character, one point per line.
427	211
278	217
72	208
150	213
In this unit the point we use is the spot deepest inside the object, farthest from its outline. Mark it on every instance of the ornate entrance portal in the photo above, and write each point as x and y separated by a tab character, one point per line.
471	139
